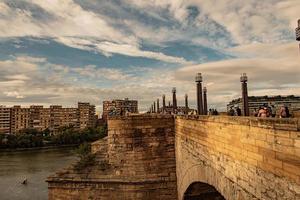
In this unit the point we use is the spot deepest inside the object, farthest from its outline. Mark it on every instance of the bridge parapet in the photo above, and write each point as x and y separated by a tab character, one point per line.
243	158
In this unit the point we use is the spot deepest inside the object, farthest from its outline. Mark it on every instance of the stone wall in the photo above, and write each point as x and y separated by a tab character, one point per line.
243	158
137	162
144	145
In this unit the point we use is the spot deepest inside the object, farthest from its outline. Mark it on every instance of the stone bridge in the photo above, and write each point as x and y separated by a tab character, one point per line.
189	157
242	158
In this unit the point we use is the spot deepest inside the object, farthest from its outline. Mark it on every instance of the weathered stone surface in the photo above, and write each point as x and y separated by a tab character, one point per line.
243	158
137	162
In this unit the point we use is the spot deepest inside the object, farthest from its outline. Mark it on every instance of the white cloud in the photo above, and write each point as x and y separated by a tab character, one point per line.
71	25
109	48
129	50
263	21
22	77
92	71
31	59
289	9
14	94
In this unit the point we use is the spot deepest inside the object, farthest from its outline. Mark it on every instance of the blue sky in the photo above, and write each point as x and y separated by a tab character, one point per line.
64	51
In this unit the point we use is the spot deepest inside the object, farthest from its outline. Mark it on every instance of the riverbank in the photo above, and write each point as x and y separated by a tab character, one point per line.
39	148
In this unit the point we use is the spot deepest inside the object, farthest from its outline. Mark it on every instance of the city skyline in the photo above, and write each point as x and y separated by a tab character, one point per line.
54	52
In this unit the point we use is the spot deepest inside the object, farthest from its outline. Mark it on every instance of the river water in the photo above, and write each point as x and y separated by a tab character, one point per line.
36	166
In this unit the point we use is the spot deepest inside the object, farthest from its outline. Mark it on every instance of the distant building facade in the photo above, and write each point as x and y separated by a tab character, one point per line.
119	107
87	115
292	102
14	119
4	120
20	119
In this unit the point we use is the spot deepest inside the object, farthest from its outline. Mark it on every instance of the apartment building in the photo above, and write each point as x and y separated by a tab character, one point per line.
38	118
4	120
20	119
86	115
119	107
16	118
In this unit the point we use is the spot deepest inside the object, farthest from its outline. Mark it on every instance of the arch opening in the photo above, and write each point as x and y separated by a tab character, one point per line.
202	191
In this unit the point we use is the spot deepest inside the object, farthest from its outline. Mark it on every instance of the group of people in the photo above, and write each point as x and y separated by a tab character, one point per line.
263	111
270	111
235	112
213	112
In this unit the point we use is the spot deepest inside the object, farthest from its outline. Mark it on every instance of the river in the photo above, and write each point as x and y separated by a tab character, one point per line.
36	166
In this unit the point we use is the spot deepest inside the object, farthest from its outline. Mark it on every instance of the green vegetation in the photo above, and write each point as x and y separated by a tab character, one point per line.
85	155
30	138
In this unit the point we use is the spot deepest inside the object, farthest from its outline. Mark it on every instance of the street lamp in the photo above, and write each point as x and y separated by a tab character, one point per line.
186	104
298	32
245	102
164	103
198	80
204	101
174	100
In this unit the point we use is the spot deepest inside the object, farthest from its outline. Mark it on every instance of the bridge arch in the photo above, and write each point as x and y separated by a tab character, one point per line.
203	191
201	176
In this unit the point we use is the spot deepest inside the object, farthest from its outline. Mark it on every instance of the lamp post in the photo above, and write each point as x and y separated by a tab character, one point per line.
186	104
205	101
198	80
244	80
174	100
298	32
164	103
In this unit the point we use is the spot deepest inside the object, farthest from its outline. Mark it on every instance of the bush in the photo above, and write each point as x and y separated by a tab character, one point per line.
85	155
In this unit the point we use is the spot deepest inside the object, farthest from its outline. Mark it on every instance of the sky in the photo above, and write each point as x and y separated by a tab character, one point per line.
65	51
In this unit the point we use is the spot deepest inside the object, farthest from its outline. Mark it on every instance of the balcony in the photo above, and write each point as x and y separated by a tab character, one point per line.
298	33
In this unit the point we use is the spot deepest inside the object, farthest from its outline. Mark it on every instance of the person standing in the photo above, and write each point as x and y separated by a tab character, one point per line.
231	112
284	112
238	111
262	112
273	111
255	112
